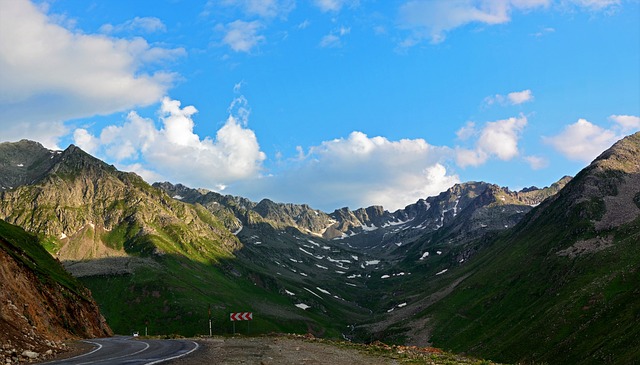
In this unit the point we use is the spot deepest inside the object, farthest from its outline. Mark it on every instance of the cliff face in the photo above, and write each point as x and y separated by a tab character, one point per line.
40	303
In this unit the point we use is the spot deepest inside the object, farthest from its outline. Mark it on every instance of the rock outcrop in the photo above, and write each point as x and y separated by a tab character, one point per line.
41	304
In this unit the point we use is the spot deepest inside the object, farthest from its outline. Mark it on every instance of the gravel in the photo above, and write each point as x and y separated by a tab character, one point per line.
275	350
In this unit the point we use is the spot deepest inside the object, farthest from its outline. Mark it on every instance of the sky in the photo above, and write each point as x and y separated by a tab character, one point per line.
330	103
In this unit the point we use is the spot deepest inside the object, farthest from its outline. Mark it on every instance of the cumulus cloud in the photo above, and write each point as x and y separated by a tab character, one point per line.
582	140
175	152
433	19
627	123
512	98
70	75
359	171
496	139
137	24
242	36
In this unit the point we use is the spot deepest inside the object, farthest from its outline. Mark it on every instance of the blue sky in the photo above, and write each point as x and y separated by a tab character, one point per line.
327	102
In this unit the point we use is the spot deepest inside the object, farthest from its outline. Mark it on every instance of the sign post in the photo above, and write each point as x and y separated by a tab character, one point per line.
240	316
210	334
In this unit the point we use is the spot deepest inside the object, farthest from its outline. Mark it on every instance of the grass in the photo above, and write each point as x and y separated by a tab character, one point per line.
25	248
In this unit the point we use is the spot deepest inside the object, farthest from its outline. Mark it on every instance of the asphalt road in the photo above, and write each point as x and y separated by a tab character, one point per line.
129	351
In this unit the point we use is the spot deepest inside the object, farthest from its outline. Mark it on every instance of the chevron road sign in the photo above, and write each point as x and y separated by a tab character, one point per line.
241	316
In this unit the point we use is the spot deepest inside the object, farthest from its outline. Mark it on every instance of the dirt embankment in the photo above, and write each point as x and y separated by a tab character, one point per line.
36	315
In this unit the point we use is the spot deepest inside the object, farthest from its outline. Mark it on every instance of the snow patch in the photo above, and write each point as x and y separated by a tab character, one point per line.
310	291
290	293
439	252
424	255
63	236
385	277
372	262
323	290
368	228
178	197
322	267
305	251
238	231
20	165
441	272
302	306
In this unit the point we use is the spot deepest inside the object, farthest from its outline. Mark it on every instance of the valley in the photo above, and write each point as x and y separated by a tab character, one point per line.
541	274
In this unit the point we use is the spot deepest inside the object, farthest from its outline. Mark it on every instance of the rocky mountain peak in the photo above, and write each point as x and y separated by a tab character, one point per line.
622	156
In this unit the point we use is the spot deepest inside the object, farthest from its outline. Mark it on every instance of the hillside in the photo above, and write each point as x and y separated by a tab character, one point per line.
560	287
41	303
167	260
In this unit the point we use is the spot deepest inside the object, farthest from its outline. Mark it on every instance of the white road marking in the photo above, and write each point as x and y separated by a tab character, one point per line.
88	353
117	357
174	357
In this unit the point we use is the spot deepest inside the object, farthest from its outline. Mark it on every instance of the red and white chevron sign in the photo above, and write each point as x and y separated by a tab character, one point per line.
241	316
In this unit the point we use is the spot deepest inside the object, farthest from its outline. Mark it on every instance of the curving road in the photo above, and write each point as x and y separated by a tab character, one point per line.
126	350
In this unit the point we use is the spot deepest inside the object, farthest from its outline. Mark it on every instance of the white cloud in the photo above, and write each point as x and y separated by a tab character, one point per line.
543	32
144	24
512	98
497	139
175	152
537	162
330	40
263	8
433	19
304	25
330	5
334	39
242	36
520	97
628	123
50	74
359	171
582	141
467	131
594	4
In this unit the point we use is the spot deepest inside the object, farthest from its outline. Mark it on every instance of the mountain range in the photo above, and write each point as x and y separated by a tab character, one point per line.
542	274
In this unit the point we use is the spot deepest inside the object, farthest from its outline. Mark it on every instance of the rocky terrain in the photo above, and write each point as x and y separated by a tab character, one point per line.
295	350
41	305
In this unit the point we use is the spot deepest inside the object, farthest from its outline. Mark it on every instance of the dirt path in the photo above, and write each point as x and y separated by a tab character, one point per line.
276	350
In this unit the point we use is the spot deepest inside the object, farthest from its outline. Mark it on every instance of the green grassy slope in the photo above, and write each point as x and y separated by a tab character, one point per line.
25	248
525	299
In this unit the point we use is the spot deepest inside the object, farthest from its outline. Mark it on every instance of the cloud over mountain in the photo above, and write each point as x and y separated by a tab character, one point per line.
70	75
